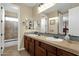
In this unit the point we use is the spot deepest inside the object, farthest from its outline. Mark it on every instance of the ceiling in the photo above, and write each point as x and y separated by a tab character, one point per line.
13	7
30	4
10	7
62	7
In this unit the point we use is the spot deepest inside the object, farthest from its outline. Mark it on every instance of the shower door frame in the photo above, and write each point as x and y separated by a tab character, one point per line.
2	13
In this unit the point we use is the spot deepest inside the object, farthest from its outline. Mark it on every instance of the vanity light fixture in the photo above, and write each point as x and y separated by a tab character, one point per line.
45	6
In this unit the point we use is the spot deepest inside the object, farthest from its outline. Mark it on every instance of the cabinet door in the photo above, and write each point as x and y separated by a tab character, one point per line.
39	51
26	43
51	51
31	47
61	52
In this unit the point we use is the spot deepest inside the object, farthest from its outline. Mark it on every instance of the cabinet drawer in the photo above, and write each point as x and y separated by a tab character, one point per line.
61	52
41	44
50	54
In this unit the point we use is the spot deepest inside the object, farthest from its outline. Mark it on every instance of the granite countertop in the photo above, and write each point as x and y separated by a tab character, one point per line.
70	46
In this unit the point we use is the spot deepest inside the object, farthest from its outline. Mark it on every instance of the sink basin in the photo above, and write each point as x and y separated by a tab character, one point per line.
32	35
54	39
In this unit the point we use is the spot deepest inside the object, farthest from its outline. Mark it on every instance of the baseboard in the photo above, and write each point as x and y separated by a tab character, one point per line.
21	49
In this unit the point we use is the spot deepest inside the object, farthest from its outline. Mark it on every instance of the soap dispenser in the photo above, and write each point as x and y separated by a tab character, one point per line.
67	37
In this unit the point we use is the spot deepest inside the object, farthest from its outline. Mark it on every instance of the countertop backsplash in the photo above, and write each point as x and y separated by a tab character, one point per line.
76	38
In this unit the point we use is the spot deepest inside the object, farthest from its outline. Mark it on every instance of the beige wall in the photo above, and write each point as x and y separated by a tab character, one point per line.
52	14
24	12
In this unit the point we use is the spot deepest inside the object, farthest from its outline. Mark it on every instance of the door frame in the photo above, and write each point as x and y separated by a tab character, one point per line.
18	29
18	12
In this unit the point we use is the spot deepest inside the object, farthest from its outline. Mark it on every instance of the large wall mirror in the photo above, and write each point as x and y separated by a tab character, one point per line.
62	20
74	21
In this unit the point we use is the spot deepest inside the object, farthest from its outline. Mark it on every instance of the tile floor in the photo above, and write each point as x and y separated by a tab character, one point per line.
12	51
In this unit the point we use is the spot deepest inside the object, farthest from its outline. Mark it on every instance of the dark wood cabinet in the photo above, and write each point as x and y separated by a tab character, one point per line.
51	50
45	49
39	51
50	54
38	48
29	45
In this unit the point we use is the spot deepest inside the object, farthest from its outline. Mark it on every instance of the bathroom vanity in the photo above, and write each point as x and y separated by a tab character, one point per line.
41	46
